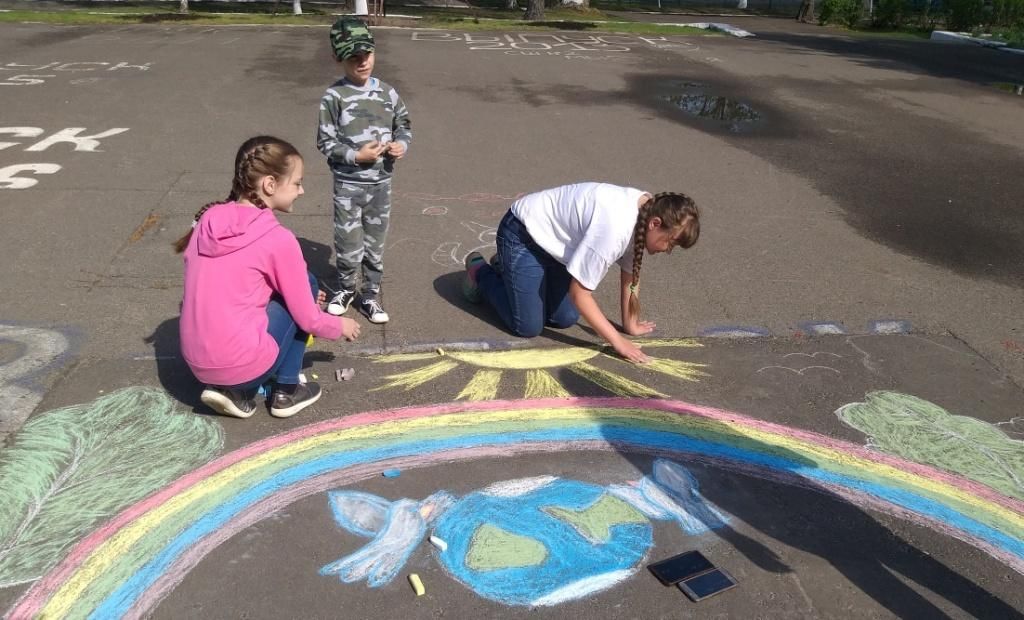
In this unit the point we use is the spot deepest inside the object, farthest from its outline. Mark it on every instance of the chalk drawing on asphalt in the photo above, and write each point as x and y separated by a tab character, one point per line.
920	431
17	176
534	541
538	364
172	530
38	349
68	470
455	252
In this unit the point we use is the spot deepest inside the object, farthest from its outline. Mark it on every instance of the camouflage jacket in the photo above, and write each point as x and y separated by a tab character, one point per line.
351	116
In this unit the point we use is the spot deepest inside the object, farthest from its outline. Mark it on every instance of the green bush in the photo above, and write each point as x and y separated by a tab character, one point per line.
890	13
846	12
964	14
1008	13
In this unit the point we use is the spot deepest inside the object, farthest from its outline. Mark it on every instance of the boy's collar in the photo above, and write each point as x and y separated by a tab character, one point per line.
371	82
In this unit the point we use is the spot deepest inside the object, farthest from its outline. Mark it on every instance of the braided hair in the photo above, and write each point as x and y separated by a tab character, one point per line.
674	210
257	158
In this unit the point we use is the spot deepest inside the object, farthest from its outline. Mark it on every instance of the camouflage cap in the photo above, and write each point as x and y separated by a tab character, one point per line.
349	36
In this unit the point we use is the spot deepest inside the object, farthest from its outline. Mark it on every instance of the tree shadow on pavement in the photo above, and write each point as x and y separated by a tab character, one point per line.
962	62
801	514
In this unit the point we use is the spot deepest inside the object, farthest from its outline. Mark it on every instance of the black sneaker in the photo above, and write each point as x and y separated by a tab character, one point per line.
227	401
340	302
373	310
285	405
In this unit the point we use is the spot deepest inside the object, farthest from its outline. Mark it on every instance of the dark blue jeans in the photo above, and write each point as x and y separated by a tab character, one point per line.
291	342
532	289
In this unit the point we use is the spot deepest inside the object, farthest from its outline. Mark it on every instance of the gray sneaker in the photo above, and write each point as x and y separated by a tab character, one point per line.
227	401
285	405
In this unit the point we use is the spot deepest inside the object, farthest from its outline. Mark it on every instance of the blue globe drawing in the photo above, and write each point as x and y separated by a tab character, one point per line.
554	541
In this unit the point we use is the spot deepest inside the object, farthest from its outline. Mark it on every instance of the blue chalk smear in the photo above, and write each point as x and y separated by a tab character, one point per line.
392	473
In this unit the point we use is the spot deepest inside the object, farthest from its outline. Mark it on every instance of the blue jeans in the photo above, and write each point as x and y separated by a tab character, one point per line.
532	289
291	343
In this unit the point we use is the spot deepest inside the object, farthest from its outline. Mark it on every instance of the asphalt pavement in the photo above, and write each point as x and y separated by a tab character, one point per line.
833	415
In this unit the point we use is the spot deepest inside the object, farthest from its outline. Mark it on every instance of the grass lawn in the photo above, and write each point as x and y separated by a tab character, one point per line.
214	13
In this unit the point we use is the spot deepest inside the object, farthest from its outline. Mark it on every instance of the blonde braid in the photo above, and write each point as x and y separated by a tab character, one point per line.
639	242
674	210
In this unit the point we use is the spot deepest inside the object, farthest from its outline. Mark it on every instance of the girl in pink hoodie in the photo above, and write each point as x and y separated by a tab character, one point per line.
250	304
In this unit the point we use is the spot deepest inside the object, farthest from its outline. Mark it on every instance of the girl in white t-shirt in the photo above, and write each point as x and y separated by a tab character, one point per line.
555	246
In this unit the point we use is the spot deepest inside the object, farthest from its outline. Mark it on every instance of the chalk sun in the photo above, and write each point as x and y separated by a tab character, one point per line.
538	363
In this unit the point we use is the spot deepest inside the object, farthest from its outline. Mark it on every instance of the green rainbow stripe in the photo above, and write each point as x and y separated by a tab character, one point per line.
126	567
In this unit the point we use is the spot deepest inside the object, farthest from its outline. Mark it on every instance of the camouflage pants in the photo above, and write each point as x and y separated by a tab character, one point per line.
361	216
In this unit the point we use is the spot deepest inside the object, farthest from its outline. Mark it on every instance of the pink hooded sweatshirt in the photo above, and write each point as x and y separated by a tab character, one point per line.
237	257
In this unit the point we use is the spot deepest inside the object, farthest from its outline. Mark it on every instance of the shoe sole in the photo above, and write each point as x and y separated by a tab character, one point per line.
377	321
223	405
290	411
334	311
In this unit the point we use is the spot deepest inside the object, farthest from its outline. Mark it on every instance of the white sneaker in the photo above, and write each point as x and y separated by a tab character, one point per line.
339	303
373	311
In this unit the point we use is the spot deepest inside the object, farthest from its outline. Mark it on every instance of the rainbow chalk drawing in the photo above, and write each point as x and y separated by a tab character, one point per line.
124	568
533	541
537	363
69	469
920	431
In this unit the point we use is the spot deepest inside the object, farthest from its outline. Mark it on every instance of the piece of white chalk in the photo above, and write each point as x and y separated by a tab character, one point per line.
437	542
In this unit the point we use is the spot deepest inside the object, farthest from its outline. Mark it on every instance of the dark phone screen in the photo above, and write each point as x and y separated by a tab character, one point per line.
703	586
680	567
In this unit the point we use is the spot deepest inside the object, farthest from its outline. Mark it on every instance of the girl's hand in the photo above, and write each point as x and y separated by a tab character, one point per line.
630	352
370	152
638	328
321	299
349	329
396	149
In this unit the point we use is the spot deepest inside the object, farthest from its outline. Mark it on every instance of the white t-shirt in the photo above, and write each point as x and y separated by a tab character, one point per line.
586	226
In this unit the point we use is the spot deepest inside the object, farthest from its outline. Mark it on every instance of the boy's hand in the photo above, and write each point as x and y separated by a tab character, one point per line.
370	152
349	329
396	149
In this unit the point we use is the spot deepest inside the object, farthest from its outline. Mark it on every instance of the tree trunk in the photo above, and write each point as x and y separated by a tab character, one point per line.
806	13
535	11
183	6
296	7
511	4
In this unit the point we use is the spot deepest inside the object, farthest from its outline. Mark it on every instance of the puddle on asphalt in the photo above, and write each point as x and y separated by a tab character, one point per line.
1013	89
731	114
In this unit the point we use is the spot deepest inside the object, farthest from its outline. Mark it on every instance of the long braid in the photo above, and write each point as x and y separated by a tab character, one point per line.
182	243
675	211
639	241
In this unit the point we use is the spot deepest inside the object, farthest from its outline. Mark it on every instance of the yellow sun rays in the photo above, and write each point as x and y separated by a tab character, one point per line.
540	383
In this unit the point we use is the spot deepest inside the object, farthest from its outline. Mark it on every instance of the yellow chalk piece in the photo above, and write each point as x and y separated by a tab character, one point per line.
440	351
309	341
417	585
316	376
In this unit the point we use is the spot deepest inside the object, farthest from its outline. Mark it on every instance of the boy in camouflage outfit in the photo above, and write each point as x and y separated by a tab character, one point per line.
363	129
